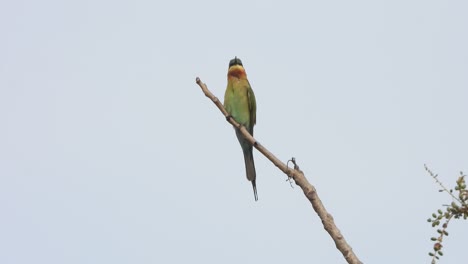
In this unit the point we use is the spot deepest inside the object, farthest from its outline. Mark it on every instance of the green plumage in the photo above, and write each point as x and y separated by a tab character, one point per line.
239	101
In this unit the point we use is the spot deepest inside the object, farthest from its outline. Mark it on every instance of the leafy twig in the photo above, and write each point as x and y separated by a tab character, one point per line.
457	209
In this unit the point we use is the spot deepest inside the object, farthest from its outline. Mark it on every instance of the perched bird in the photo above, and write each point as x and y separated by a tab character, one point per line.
239	101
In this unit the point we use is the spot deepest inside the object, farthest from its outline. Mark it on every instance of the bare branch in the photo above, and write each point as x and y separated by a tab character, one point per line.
298	176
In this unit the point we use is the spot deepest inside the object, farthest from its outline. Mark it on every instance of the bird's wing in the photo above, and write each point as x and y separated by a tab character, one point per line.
252	107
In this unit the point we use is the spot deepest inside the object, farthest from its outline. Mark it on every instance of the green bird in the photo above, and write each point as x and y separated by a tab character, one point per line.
239	101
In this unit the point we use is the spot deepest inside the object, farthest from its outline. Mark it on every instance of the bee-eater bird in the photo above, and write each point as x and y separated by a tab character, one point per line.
239	101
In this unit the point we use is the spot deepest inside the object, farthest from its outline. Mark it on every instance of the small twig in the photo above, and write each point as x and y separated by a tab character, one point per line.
441	185
289	179
298	176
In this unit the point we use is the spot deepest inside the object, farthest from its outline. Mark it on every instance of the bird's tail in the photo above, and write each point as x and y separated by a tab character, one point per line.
250	169
255	190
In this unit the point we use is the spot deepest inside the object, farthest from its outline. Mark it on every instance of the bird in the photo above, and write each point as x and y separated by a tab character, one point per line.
239	102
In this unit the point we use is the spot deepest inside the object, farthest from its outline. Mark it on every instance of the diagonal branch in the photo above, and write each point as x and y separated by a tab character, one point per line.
298	176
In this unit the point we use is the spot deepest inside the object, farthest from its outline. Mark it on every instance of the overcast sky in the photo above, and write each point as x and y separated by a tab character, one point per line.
110	153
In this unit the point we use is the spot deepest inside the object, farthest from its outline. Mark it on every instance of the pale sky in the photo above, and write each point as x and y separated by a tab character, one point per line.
110	153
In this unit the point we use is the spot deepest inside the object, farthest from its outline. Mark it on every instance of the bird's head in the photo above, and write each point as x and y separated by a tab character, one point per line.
235	61
236	69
